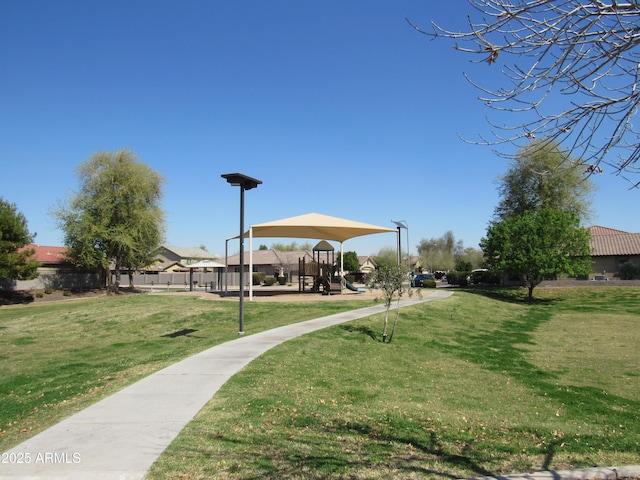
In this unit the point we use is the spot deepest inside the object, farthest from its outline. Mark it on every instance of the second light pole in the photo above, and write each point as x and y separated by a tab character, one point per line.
403	224
245	183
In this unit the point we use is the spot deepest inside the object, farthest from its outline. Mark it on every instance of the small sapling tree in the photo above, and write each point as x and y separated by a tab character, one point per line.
392	281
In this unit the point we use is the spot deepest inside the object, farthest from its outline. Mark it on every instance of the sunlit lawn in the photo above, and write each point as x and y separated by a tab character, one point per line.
481	383
56	359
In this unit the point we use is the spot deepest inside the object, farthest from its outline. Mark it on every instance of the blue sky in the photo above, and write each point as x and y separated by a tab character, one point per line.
339	107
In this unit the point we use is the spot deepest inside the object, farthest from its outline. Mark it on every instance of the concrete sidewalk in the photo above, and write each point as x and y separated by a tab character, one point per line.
121	436
600	473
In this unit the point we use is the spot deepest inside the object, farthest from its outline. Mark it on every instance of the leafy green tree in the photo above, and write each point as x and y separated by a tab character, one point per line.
439	253
463	266
538	244
115	218
393	283
350	262
143	254
292	247
469	258
386	258
536	230
542	176
15	261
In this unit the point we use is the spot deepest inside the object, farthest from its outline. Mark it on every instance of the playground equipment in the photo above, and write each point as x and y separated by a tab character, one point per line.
352	287
321	273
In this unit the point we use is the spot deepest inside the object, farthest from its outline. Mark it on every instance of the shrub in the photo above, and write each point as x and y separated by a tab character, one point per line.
66	293
463	266
48	291
429	284
458	278
629	271
268	281
258	277
487	278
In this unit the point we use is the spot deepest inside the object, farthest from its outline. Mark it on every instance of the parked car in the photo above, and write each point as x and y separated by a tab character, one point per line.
421	277
476	275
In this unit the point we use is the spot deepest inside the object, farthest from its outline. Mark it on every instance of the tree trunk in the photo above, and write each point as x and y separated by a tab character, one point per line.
116	284
395	322
386	322
115	288
106	278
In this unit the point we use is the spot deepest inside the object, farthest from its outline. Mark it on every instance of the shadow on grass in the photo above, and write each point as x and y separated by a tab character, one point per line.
348	450
502	351
15	297
360	329
517	295
185	332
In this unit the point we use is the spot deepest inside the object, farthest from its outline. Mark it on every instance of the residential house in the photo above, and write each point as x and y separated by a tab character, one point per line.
611	248
272	262
367	265
57	272
173	259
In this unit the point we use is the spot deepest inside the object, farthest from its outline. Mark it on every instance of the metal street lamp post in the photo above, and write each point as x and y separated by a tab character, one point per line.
245	183
403	224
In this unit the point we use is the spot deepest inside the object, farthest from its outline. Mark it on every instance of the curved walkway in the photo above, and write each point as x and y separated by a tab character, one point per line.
121	436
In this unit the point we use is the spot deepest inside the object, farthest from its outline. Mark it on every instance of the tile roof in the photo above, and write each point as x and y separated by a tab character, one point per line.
598	230
48	254
190	252
270	257
610	242
364	258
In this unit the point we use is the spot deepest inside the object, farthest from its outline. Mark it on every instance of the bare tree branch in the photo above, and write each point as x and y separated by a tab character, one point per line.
572	69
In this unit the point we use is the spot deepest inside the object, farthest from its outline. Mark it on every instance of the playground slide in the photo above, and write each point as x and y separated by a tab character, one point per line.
352	287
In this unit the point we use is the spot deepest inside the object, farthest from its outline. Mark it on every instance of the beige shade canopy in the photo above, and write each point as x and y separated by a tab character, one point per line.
311	225
315	225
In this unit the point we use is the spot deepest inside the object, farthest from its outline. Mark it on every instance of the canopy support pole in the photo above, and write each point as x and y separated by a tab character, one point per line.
250	263
342	279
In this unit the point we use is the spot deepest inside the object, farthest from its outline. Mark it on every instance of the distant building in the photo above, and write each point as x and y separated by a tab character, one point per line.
173	259
271	262
611	248
367	264
57	272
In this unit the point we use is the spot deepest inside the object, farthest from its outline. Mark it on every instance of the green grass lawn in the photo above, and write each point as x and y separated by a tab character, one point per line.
56	359
481	383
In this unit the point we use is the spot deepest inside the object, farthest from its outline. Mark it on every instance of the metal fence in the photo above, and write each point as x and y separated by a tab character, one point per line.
167	280
164	280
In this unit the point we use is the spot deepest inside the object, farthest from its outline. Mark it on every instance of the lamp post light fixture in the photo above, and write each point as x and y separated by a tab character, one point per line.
245	183
403	224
